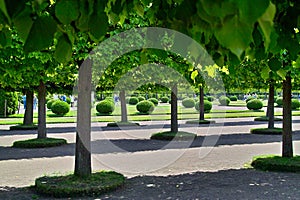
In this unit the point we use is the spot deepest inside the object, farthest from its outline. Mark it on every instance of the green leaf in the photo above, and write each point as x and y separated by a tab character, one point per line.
282	73
4	10
194	74
98	24
139	9
235	35
5	38
41	34
63	50
67	11
274	64
23	23
265	72
266	23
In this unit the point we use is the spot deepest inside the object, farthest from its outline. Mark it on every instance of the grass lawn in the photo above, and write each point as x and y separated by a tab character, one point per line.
161	112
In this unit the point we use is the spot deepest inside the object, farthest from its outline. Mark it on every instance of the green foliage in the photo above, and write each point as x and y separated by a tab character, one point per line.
233	98
23	127
279	101
224	101
295	104
68	100
276	163
50	102
68	185
249	98
141	98
60	107
164	99
168	135
266	131
188	102
133	100
39	143
207	106
210	98
254	104
105	107
154	101
11	102
111	99
145	107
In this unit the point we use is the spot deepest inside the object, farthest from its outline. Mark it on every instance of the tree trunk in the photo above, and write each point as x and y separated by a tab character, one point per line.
287	141
174	120
42	131
201	103
123	106
270	109
83	133
28	116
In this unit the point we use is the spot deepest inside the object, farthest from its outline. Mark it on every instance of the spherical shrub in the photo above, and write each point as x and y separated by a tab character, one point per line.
210	98
279	101
164	99
224	101
145	106
50	102
233	98
105	107
154	101
249	98
68	100
207	106
110	99
133	100
295	104
141	98
60	107
188	102
254	104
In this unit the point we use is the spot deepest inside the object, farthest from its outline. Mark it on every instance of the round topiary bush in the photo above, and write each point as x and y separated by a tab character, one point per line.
50	102
154	101
233	98
295	104
68	100
279	101
133	100
145	107
210	98
188	102
164	99
250	98
224	101
110	99
254	104
141	98
105	107
207	106
60	107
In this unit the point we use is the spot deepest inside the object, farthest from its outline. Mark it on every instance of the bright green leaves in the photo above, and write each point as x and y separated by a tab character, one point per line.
41	34
63	51
67	11
235	35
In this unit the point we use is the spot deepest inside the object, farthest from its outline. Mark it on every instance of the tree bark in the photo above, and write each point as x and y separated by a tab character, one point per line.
83	133
28	116
174	119
201	103
287	141
123	106
42	131
270	112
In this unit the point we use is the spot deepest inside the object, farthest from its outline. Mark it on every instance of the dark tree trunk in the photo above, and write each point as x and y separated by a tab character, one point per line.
287	141
123	106
28	116
83	131
174	120
42	131
201	103
270	109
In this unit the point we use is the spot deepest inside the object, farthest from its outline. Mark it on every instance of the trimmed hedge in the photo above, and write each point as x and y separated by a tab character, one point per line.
23	127
207	106
60	107
168	135
133	100
266	131
164	99
295	104
250	98
279	101
105	107
145	107
188	102
50	102
154	101
210	98
141	98
224	101
39	143
254	104
233	98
